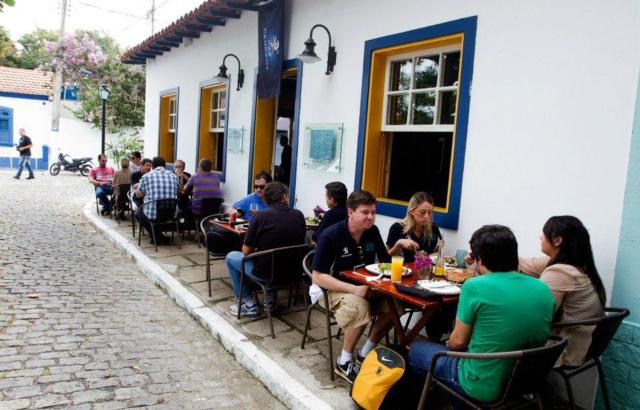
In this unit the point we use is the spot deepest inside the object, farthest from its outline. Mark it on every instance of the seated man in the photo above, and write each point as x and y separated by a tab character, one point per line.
145	166
354	242
155	185
336	197
499	311
275	227
254	202
204	184
101	177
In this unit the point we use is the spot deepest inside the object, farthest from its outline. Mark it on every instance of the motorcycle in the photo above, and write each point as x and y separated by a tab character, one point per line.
83	165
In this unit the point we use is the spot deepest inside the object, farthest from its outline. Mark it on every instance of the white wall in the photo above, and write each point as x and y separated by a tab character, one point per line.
76	138
550	116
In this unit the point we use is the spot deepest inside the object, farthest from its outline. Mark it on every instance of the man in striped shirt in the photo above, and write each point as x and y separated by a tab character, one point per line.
204	184
155	185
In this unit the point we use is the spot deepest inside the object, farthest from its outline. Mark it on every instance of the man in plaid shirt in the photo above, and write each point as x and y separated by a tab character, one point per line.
154	185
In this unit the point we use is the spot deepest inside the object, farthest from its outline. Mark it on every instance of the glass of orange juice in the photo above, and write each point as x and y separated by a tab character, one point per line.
397	268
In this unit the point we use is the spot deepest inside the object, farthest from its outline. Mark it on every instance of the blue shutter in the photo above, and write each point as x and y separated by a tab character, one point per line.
6	126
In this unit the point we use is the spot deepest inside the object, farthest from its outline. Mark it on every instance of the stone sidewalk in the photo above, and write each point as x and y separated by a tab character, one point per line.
82	328
185	262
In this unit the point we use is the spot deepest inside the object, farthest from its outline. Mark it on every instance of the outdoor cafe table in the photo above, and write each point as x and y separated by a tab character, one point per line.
235	228
389	291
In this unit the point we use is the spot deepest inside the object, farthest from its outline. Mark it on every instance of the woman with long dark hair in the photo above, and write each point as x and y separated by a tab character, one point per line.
570	272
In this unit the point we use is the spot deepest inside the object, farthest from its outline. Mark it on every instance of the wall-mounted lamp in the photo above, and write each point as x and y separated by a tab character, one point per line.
223	76
309	54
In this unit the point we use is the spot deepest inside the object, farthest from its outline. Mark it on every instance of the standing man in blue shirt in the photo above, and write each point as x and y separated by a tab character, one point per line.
24	147
254	201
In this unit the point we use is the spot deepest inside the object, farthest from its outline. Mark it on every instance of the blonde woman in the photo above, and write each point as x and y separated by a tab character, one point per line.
415	232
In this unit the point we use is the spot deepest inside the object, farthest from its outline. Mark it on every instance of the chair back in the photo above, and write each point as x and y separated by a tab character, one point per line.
279	265
166	209
209	206
120	191
306	263
532	367
606	328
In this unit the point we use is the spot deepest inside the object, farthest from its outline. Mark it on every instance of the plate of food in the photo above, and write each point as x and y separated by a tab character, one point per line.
449	261
311	221
441	287
385	269
457	275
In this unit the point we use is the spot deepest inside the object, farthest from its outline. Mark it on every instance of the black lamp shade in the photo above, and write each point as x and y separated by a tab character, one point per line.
309	55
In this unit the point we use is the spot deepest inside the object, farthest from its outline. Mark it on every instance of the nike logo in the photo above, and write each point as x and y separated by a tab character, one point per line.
384	359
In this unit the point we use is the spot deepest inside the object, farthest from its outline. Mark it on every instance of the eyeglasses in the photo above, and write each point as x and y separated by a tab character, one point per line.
259	186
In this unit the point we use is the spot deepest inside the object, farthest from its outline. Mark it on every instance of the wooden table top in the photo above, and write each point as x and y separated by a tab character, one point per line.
385	286
235	228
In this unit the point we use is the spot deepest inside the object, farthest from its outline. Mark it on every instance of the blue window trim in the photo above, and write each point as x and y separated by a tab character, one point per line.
203	84
287	64
467	26
10	142
24	96
163	93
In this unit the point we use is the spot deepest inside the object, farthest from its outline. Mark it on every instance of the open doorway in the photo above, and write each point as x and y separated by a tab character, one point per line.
275	131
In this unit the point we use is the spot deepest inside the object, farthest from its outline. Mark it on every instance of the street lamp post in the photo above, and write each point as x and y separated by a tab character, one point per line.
104	96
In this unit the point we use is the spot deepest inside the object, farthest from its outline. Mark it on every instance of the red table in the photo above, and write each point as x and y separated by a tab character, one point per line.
226	225
387	288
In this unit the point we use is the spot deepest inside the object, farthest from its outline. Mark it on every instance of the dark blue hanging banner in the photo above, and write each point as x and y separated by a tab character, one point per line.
271	47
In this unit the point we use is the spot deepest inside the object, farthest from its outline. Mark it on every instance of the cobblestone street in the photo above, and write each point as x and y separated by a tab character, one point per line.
81	327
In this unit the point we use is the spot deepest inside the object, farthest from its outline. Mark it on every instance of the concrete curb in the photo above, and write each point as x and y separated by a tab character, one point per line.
282	385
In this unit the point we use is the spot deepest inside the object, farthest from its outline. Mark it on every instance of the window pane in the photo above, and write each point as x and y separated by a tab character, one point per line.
451	68
447	103
427	72
213	120
400	75
432	151
423	108
221	119
398	108
222	100
214	101
4	125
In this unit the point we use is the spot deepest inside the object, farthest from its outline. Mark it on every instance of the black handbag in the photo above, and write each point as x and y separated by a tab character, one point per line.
222	241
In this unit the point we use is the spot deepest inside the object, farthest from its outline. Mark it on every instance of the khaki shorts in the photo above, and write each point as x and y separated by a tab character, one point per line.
352	311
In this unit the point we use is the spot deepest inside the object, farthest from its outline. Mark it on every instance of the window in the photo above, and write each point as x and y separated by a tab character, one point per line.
218	110
213	115
6	126
414	116
173	115
168	130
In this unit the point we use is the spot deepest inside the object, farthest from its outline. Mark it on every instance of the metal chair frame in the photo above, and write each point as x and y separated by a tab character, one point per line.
115	200
174	219
211	256
525	380
132	207
606	327
328	313
198	218
268	284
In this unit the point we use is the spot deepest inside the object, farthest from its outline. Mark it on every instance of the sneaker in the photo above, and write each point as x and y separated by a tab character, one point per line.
359	359
348	371
16	177
31	177
245	310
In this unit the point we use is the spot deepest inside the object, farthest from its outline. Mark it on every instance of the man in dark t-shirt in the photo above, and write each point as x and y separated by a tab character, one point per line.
24	147
347	245
274	227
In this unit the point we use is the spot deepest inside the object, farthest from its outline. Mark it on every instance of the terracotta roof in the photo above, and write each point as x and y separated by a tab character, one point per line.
205	17
22	81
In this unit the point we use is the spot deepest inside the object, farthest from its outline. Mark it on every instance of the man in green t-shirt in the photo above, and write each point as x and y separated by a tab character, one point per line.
499	311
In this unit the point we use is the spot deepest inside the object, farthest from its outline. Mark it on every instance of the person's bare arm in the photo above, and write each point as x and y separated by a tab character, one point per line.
247	250
460	337
328	282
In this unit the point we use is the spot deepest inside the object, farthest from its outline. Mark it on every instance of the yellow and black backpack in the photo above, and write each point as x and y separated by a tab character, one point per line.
380	370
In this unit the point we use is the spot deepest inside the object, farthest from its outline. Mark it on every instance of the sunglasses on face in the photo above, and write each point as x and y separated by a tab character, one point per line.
258	186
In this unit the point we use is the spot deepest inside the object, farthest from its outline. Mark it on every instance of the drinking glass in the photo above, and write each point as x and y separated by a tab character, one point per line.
253	208
397	268
460	255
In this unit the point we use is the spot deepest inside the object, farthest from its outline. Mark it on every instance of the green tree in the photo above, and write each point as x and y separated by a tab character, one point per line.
32	54
7	3
8	54
90	59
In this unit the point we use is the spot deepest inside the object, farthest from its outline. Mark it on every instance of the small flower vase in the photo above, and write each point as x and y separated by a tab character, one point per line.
422	265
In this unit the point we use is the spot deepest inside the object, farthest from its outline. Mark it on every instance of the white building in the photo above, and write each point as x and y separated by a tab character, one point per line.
25	102
490	105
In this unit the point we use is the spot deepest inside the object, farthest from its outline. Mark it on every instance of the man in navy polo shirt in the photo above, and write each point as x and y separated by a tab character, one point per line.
347	245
